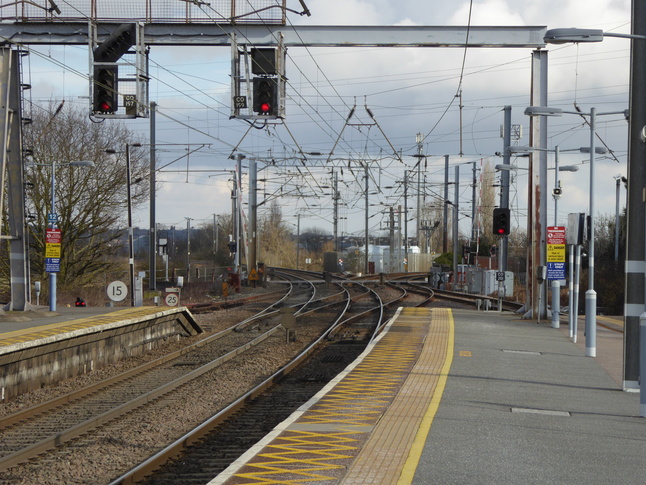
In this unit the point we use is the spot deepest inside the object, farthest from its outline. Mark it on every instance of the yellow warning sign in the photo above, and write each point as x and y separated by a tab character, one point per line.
556	253
52	250
253	276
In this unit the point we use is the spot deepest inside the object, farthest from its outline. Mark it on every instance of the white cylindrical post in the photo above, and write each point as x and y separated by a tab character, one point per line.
575	296
556	303
571	291
590	323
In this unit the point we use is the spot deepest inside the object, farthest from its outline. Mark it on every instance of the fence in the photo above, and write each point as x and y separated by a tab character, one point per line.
148	11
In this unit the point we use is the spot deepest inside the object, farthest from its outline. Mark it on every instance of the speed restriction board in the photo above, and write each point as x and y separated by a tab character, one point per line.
171	299
117	291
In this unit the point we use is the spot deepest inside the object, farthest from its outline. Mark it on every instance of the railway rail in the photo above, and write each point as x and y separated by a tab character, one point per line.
258	376
50	432
210	448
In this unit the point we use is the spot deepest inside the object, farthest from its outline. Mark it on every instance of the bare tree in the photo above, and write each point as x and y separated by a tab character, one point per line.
91	203
276	243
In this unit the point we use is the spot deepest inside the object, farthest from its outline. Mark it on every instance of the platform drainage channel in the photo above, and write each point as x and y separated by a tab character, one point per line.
544	412
524	352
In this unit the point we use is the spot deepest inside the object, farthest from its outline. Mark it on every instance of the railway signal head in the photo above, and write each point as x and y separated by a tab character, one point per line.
265	96
104	90
501	222
263	61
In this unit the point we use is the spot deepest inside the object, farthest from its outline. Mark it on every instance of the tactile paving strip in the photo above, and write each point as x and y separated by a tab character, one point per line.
362	429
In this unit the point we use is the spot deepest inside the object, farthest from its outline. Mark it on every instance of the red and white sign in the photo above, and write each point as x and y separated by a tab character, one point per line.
556	235
53	236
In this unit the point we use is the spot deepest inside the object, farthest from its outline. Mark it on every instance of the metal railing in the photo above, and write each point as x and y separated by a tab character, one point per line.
148	11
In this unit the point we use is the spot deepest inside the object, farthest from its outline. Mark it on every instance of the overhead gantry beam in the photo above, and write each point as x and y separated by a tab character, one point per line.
294	36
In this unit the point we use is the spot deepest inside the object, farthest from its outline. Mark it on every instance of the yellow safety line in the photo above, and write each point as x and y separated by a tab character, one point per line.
408	472
356	402
31	333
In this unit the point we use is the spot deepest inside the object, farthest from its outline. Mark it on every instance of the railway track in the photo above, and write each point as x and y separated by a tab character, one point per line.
200	455
55	431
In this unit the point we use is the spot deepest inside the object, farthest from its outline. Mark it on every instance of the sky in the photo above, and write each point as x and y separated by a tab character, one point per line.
408	91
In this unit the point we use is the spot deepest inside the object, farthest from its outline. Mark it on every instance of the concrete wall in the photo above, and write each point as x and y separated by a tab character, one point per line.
42	362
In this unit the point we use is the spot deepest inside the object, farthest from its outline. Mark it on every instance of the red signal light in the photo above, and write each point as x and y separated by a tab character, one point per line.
106	107
265	96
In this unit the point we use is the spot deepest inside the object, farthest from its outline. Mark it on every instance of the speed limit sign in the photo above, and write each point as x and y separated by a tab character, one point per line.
172	299
117	291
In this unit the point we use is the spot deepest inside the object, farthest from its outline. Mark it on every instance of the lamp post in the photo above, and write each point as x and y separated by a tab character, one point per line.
53	218
556	193
634	350
590	295
557	168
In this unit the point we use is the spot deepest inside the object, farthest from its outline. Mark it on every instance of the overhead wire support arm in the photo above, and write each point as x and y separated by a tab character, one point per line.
347	120
397	155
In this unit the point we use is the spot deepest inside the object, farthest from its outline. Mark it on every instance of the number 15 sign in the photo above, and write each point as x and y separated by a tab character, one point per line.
117	291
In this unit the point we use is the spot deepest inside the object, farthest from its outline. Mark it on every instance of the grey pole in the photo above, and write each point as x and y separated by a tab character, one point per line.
556	286
617	201
556	185
418	223
298	239
504	193
571	290
445	240
406	220
52	275
474	186
335	197
456	207
556	303
216	234
642	366
635	238
152	246
252	261
365	266
131	247
575	296
392	240
591	295
13	180
399	239
236	215
537	213
188	249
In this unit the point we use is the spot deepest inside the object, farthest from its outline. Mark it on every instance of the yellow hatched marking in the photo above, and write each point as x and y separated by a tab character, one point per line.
359	399
299	460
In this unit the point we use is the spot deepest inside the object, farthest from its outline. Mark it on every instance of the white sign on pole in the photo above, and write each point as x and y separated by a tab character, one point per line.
117	291
172	299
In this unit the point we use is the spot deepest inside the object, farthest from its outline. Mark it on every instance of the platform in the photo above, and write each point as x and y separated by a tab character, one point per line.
456	396
42	348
